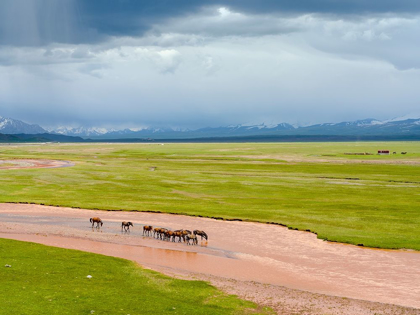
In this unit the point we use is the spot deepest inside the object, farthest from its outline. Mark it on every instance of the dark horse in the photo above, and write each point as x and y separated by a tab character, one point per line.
202	234
147	229
97	221
126	226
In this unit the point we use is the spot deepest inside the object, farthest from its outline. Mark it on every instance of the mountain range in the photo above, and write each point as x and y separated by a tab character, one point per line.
397	127
13	126
365	127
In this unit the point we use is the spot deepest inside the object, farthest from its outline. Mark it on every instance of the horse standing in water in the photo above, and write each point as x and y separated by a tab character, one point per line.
148	230
126	226
193	238
97	221
202	234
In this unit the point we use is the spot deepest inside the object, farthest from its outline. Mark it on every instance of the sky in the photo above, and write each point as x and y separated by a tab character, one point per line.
199	63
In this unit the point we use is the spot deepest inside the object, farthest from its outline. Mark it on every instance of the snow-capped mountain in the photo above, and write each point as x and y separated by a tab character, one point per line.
396	127
80	131
93	132
160	133
14	126
370	127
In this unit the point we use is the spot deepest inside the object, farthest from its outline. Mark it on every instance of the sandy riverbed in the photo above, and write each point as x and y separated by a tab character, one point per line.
291	271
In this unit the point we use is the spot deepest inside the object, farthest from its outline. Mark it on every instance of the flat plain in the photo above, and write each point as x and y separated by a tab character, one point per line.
359	199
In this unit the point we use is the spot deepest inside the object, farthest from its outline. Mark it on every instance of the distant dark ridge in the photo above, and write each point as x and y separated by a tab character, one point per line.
273	138
42	137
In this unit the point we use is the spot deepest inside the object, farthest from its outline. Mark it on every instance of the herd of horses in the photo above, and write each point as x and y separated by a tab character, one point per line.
160	233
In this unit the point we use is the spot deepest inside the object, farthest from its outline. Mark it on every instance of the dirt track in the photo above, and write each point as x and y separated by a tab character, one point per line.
265	263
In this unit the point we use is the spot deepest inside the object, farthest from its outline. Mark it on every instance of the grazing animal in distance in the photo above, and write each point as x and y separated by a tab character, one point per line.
193	238
97	221
147	229
169	234
202	234
184	234
178	233
160	233
126	226
156	232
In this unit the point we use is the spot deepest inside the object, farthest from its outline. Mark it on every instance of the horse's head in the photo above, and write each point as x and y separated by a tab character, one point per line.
129	223
101	223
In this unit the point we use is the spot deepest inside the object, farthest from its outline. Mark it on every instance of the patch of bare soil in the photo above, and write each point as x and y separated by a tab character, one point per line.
291	271
32	163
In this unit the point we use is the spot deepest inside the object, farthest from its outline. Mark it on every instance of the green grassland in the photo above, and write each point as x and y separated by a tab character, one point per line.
48	280
358	199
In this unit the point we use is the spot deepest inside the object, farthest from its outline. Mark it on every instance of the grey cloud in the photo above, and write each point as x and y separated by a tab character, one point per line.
224	22
42	22
391	39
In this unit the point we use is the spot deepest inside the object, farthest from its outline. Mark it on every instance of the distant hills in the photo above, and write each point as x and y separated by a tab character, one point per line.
366	127
12	130
41	137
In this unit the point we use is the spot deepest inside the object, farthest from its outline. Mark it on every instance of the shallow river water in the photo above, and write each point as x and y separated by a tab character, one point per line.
238	250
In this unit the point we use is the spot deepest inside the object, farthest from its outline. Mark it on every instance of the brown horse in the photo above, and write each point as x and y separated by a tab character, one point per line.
184	234
193	238
177	233
147	229
162	232
126	226
97	221
156	232
168	235
201	233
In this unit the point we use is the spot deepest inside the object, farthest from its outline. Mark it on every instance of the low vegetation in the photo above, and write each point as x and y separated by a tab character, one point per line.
360	199
48	280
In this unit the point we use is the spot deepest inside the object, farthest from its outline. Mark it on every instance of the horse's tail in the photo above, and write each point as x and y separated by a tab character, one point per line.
90	220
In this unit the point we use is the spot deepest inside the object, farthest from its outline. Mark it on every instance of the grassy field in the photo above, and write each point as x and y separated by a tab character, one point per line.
48	280
370	199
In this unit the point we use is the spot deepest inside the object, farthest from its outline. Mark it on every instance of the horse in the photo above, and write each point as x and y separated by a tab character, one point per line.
178	233
97	221
202	234
148	229
184	233
169	234
156	231
193	238
126	226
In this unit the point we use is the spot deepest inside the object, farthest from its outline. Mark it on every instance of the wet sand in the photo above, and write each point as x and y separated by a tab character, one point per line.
32	163
288	270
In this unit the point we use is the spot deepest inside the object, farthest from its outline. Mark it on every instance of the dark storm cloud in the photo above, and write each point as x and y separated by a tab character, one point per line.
40	22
